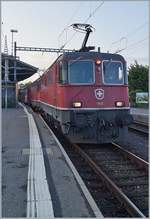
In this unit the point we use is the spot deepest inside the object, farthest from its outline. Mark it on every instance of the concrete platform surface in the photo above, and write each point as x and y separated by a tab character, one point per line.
140	114
141	111
67	197
15	138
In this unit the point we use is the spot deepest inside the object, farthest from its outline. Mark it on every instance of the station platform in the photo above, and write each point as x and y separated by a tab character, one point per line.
15	138
140	114
38	178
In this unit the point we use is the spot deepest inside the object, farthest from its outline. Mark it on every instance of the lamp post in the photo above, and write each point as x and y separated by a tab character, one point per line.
13	31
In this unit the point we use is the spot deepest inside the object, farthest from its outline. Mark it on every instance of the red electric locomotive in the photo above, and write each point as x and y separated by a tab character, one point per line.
86	95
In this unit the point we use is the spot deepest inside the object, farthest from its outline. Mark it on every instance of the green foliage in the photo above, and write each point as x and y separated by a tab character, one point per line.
132	94
138	79
142	105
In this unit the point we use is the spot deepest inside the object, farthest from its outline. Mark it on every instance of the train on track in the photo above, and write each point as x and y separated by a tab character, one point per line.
85	94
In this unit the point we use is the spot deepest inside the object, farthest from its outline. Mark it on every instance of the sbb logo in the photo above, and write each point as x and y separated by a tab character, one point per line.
99	94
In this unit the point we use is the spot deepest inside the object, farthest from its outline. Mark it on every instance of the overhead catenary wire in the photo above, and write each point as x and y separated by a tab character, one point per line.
137	29
94	11
133	44
132	32
133	49
90	15
68	23
129	34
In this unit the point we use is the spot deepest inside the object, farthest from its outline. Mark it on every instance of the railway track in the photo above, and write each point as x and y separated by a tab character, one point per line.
139	127
117	179
126	177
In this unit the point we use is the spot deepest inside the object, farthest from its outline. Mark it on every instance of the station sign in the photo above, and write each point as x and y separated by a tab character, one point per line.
142	97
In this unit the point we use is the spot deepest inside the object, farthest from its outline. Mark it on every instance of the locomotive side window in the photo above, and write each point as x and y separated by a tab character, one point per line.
81	72
63	72
113	72
50	79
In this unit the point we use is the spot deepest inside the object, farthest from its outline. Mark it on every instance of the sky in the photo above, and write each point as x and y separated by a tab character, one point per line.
119	25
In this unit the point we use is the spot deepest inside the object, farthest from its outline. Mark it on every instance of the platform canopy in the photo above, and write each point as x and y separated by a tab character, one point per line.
23	70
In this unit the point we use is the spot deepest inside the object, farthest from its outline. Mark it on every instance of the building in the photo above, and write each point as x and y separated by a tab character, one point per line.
13	71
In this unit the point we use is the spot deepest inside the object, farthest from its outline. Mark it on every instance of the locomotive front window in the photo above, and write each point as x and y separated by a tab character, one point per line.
81	72
113	72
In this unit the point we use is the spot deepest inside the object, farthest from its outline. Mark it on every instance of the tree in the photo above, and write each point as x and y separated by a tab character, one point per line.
138	79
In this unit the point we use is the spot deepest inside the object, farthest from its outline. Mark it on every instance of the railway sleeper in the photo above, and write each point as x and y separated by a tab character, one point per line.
119	166
138	187
96	185
111	207
124	174
88	177
127	182
134	194
130	173
127	176
115	162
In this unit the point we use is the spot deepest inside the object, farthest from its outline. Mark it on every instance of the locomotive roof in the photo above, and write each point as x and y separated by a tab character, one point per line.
103	56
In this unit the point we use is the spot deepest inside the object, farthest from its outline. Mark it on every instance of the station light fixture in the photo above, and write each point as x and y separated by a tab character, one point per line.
13	31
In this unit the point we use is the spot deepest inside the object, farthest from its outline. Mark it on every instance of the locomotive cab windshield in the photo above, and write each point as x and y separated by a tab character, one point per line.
77	72
81	72
113	72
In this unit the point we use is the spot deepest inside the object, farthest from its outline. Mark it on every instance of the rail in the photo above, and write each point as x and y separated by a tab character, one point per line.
124	200
139	127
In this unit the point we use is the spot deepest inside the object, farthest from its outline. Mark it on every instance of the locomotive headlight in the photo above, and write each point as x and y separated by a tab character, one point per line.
119	103
77	104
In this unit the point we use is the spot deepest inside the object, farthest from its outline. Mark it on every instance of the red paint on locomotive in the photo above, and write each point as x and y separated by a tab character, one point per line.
97	98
